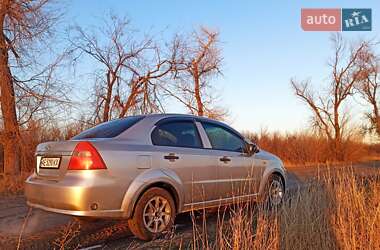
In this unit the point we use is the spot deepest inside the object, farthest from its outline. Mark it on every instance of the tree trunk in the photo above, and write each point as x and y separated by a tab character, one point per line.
197	90
337	136
107	101
376	118
131	101
8	109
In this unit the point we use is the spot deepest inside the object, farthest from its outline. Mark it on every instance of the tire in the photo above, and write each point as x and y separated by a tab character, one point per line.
274	192
158	206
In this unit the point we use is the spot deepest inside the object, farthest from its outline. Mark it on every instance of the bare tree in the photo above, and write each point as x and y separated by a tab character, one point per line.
129	69
328	114
369	85
198	61
25	85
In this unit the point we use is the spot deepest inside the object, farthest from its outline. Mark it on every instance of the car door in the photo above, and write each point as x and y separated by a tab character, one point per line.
179	148
237	171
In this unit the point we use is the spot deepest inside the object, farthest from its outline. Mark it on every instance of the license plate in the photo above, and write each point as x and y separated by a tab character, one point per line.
50	162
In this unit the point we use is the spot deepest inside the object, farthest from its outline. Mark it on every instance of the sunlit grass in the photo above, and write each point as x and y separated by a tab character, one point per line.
334	212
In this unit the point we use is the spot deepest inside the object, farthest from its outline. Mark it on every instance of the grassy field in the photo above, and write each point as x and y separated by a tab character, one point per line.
339	208
336	211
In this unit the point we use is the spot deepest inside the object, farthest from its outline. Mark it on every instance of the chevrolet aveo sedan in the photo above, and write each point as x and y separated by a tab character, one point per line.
149	168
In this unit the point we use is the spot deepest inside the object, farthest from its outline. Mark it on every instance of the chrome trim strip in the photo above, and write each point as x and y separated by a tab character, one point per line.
214	203
230	181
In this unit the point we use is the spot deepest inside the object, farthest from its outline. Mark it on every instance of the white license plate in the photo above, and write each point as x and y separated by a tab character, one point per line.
50	162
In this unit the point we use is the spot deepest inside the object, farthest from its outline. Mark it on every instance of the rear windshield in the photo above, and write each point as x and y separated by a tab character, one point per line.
109	129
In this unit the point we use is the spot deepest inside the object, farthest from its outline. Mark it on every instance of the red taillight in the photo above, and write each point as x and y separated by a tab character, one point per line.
86	157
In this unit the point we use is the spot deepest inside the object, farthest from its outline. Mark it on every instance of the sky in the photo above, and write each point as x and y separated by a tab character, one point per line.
263	48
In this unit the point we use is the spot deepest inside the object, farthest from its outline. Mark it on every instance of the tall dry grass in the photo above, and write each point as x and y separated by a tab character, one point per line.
306	147
334	212
13	184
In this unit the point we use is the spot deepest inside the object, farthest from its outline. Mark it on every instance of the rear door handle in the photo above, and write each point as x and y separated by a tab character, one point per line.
225	159
171	157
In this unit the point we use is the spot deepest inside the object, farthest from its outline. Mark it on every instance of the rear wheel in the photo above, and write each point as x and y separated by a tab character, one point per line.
153	215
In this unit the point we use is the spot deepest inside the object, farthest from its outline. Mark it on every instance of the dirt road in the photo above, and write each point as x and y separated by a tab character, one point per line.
37	229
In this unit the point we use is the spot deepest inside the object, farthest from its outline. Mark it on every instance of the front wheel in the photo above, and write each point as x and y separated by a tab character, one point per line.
153	215
274	192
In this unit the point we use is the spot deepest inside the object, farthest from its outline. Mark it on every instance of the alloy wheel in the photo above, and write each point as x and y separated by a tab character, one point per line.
157	214
276	192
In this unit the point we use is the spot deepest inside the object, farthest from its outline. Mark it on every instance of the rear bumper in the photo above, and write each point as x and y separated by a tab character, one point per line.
92	213
95	195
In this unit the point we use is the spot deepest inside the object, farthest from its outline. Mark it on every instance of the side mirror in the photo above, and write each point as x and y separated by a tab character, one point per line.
252	148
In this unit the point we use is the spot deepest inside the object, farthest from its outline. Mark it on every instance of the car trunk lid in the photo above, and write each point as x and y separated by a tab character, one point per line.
52	158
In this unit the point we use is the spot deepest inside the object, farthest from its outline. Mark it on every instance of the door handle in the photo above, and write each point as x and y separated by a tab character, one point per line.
225	159
171	157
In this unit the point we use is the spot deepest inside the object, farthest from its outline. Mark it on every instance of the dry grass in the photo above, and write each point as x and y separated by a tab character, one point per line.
12	184
306	147
68	233
336	211
340	212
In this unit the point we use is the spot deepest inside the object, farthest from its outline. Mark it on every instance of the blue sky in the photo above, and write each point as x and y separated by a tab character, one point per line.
263	47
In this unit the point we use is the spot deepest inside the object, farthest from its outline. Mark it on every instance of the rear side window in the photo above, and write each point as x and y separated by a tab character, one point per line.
222	138
109	129
177	134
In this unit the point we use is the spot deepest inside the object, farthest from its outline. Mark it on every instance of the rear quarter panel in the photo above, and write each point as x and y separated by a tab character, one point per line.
133	169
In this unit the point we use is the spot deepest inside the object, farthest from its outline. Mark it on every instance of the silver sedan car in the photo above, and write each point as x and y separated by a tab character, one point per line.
149	168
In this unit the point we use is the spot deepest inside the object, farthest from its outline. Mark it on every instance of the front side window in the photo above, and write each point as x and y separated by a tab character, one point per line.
177	134
223	139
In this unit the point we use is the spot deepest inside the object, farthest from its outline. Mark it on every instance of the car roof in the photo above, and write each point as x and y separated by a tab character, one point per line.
175	115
